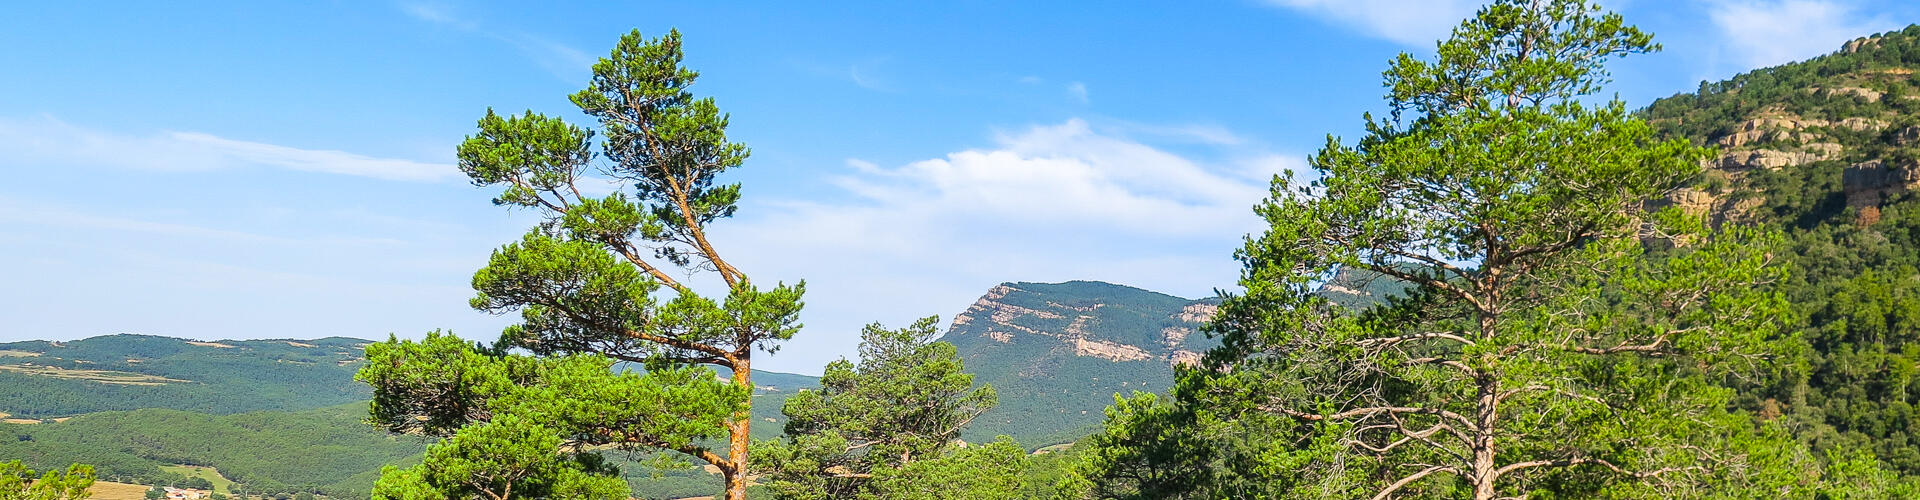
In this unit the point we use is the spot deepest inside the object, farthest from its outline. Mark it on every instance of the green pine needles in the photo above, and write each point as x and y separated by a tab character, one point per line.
594	284
1561	339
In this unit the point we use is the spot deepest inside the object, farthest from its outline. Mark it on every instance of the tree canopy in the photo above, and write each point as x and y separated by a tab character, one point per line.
1561	339
592	284
877	428
17	482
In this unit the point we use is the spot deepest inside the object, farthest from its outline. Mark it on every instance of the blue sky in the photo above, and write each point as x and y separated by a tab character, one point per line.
284	169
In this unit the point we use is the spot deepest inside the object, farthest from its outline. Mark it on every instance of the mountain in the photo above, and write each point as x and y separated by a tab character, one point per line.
1057	353
328	450
276	415
40	379
1828	152
43	380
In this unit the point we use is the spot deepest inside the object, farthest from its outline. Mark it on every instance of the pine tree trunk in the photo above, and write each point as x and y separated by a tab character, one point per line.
740	434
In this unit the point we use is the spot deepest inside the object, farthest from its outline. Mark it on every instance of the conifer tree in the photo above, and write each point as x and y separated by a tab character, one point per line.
1561	339
598	280
874	426
17	482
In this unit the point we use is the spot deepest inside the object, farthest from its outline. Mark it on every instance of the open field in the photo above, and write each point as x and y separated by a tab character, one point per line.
104	490
7	353
220	483
101	376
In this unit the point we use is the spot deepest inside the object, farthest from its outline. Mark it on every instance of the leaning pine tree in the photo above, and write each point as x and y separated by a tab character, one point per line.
1561	338
595	284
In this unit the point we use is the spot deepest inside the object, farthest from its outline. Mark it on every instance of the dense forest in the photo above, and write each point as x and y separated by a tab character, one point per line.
1502	290
41	379
1847	204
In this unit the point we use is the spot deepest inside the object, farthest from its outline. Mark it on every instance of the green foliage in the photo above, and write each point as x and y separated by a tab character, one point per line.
507	457
442	385
1854	292
328	450
1049	394
17	482
1559	341
982	472
251	375
1719	108
873	427
587	281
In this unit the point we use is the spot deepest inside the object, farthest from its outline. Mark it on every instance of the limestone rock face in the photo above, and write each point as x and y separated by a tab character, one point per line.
1906	136
1864	93
1058	352
1862	123
1860	43
1871	182
1765	159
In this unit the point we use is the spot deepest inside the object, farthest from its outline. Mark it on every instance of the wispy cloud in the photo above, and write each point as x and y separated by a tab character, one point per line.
1762	33
1054	202
1416	23
1078	91
48	140
563	61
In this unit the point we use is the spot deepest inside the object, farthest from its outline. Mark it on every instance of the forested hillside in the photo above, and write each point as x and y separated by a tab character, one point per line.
1828	150
327	450
40	379
1058	352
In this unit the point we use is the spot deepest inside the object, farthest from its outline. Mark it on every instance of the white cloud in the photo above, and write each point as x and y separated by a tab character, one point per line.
1764	33
1048	203
45	139
1409	22
1078	91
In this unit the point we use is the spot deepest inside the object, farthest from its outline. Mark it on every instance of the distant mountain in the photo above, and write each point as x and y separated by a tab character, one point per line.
46	380
40	379
133	404
1057	353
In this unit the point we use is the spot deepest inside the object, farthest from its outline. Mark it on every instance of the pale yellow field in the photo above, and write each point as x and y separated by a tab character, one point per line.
101	376
8	353
220	483
103	490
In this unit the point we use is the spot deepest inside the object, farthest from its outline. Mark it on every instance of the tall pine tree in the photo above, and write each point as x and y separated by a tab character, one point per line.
1561	338
593	284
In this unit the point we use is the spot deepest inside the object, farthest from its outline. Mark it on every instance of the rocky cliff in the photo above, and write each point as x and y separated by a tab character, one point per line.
1845	123
1058	352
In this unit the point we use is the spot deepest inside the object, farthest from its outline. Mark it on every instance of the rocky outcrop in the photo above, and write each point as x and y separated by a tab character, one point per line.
1906	136
1765	159
1072	326
1870	183
1109	351
1856	44
1862	123
1197	313
1782	128
1173	335
1870	95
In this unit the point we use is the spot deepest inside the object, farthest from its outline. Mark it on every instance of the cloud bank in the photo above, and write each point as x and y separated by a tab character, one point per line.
1049	203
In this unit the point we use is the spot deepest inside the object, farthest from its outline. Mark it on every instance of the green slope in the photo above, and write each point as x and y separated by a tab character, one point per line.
218	377
326	450
1828	150
1057	353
